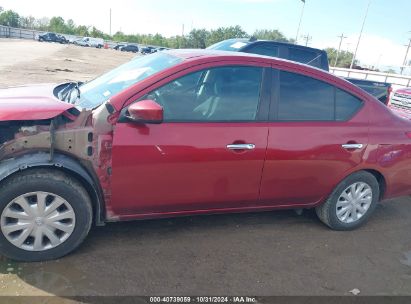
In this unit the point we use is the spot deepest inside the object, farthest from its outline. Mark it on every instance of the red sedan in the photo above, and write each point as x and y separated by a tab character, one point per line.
192	132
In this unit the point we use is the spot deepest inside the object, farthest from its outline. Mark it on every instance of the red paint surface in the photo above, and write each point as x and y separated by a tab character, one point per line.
169	169
184	168
34	102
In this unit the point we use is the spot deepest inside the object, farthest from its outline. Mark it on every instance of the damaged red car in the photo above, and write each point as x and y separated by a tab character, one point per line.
191	132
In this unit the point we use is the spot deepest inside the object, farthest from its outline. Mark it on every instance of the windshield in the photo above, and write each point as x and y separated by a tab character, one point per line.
95	92
229	45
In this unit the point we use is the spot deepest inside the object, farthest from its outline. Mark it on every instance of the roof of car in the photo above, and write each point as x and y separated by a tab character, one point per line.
253	41
195	54
192	54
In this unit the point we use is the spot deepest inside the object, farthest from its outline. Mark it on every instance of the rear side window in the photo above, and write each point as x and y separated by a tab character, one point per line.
302	98
264	49
346	105
305	56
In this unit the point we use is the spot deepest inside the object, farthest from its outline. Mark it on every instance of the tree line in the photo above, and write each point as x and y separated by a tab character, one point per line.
196	38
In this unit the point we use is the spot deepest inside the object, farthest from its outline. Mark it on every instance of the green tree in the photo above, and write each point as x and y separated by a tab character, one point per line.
198	38
82	30
42	24
28	22
10	18
70	27
57	25
224	33
98	34
270	35
344	58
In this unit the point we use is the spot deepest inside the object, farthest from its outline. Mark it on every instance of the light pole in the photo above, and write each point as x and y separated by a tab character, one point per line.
299	23
110	21
406	55
359	38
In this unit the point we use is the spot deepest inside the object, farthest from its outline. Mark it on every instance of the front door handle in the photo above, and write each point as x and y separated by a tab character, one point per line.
352	146
241	147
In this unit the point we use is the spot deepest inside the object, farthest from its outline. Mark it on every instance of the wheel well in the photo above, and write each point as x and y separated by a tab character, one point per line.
381	181
97	215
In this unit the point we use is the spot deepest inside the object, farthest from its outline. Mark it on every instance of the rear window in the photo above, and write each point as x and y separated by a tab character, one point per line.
305	56
264	49
229	45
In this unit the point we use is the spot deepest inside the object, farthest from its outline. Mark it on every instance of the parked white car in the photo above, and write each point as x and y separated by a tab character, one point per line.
90	41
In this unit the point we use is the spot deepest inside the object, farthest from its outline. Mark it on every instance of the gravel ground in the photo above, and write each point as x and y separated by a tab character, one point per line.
274	253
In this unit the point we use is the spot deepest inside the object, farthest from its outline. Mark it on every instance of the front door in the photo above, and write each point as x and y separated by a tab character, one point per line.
207	154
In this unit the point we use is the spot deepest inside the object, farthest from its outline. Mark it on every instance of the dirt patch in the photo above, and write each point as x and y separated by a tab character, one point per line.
24	62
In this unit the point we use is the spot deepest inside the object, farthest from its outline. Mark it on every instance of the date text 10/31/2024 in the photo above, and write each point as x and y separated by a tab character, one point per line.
203	299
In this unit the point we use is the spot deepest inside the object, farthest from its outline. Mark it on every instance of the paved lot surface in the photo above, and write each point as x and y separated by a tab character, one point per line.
274	253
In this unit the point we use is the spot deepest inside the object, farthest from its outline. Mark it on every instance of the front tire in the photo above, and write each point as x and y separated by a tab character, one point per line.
44	215
351	203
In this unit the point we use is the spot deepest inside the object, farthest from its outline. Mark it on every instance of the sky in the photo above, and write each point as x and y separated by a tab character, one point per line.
386	32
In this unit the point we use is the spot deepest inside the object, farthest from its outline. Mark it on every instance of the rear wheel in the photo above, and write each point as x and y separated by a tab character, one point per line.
351	203
43	215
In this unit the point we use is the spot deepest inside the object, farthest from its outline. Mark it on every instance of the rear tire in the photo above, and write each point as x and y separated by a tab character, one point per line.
54	187
351	203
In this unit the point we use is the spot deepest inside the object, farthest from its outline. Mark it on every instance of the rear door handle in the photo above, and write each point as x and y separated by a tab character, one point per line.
241	147
352	146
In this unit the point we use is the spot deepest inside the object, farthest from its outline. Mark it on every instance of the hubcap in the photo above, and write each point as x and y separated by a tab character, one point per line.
37	221
354	202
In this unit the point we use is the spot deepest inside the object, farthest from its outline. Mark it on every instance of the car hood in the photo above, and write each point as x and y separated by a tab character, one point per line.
34	102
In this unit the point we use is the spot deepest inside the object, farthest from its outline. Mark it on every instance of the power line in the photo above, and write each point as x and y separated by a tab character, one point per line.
339	48
307	38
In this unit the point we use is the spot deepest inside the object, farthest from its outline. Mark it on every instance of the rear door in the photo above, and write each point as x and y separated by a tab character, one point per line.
317	133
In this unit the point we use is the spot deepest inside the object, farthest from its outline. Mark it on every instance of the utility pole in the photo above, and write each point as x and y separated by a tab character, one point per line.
299	23
406	56
339	49
307	38
182	32
359	38
110	21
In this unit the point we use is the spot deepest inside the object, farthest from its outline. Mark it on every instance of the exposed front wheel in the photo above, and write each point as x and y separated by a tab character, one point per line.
43	215
351	203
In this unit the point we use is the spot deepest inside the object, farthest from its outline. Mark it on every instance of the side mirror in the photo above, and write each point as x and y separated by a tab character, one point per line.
145	111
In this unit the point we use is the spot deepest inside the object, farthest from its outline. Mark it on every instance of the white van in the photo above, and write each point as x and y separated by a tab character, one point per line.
91	42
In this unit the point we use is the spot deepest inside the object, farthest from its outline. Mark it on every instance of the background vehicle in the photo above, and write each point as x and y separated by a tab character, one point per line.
314	57
118	47
129	48
310	56
148	50
90	42
401	99
140	142
380	90
52	37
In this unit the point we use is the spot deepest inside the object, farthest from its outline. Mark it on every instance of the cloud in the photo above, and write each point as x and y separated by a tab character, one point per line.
373	49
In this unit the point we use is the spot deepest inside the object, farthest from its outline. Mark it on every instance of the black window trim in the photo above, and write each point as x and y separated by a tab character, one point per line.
275	99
